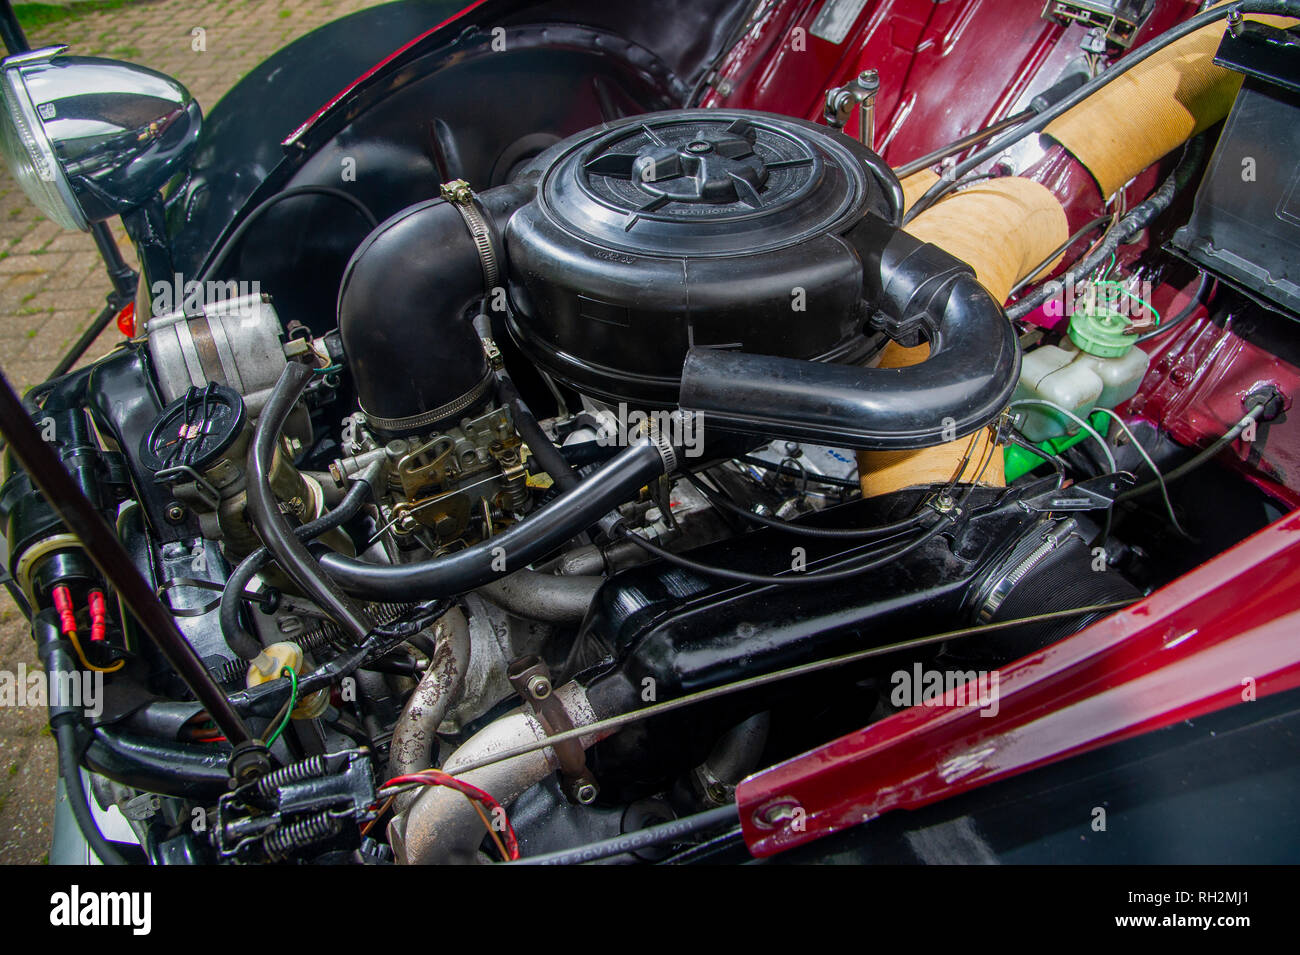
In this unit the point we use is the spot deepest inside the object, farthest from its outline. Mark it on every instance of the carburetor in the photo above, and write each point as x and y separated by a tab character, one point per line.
445	489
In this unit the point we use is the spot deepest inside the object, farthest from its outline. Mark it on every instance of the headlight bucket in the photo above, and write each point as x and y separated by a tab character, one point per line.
89	138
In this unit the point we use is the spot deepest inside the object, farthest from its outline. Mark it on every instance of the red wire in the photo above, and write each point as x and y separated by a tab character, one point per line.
436	777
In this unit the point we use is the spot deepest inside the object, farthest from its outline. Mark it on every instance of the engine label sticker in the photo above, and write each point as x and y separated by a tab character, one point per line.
836	19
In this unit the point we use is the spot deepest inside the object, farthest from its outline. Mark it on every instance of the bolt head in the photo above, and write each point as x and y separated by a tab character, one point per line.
539	688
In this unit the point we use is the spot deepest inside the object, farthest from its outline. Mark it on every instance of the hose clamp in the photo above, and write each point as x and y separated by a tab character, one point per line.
459	194
434	416
663	443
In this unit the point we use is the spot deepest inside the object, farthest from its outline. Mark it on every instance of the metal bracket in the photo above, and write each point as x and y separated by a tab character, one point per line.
1094	494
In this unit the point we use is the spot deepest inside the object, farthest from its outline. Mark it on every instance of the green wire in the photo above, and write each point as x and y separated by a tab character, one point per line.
288	713
1134	296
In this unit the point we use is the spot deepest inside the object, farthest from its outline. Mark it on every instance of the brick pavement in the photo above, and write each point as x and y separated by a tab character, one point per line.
52	285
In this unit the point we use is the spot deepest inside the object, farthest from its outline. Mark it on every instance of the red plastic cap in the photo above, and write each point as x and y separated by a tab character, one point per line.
126	320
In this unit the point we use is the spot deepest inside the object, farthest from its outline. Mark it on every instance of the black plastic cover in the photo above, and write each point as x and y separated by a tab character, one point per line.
690	228
1245	227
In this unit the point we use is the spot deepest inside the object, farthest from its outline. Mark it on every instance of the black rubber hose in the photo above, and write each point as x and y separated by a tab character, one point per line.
1199	298
232	597
571	513
966	382
1142	216
546	453
1123	65
167	767
65	737
890	186
668	832
272	526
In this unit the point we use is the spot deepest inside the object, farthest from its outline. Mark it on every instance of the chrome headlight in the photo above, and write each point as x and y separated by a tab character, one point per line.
88	139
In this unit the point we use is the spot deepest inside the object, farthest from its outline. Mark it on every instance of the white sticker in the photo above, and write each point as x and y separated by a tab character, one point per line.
836	19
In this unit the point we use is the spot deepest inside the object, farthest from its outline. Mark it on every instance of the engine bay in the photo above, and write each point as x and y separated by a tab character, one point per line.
535	496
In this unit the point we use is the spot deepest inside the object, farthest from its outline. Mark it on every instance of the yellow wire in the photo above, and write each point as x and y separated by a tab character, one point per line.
81	655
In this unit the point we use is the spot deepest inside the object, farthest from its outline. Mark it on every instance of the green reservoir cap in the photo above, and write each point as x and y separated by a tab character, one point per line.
1100	332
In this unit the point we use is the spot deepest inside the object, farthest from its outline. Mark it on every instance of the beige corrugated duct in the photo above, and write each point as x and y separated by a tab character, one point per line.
916	185
1005	227
1002	229
1152	109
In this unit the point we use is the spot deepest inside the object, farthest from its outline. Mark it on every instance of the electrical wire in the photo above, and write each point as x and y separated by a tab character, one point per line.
1044	119
1143	214
436	777
720	501
1164	489
828	479
228	246
288	707
62	598
613	723
1199	298
1209	452
791	578
1083	425
1059	251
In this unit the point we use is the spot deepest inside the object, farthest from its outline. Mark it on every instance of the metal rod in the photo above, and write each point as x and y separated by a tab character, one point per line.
11	30
749	683
107	553
123	277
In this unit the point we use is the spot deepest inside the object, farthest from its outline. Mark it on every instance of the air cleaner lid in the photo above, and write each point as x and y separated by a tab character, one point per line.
707	182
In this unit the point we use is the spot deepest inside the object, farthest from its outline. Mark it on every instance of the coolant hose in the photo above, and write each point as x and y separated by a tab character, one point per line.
272	526
617	482
415	734
965	383
240	640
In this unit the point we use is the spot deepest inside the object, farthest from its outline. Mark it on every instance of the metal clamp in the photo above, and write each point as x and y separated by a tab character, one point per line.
531	679
459	194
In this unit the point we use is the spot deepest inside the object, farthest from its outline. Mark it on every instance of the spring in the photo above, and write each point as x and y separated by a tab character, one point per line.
319	637
301	834
308	768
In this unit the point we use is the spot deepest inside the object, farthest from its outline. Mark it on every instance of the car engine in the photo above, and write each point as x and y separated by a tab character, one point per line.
646	462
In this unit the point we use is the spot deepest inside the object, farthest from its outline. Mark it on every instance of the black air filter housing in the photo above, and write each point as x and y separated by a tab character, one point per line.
661	232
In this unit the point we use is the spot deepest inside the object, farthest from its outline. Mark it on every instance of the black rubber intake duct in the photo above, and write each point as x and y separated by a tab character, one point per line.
921	292
405	313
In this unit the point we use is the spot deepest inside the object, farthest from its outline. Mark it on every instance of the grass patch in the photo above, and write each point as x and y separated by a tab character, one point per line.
37	16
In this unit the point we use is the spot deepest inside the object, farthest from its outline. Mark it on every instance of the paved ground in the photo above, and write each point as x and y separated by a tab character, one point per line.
52	285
